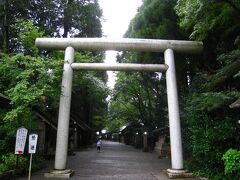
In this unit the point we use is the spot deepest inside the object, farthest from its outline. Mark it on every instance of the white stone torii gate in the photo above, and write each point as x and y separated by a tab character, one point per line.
101	44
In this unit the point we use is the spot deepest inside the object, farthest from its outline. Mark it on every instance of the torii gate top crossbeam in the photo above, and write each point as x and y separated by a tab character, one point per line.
120	67
124	44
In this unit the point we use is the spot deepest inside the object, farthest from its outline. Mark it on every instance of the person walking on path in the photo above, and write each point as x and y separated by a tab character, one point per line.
99	144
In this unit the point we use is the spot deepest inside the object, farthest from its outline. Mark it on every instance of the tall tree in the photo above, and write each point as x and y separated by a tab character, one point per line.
81	18
212	125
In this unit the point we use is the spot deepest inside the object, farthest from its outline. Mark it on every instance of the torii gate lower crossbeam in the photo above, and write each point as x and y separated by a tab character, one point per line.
166	46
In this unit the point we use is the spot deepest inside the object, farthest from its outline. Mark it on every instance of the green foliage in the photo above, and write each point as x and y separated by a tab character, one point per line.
210	123
34	82
232	162
93	92
114	125
227	75
212	128
155	19
38	162
203	18
26	79
120	112
80	18
216	23
29	83
93	98
27	36
136	97
8	162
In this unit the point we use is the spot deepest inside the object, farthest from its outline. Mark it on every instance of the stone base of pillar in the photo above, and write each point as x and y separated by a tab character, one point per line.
66	173
175	173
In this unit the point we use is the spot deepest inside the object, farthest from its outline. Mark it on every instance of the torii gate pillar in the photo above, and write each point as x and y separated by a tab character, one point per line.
60	165
174	119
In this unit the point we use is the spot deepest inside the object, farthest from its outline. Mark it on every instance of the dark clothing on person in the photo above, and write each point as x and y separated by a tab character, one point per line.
99	143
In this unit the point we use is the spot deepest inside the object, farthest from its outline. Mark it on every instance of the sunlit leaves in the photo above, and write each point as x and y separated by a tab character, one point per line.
25	79
232	161
204	17
27	36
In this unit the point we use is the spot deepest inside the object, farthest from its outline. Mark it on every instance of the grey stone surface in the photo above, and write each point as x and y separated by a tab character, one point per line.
67	173
116	161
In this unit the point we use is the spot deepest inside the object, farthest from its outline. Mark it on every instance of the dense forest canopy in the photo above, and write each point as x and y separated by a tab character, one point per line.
57	18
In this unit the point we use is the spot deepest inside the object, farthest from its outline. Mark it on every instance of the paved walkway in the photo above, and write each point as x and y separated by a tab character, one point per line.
116	161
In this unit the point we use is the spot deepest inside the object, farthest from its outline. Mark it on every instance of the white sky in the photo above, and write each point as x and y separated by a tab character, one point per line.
117	15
